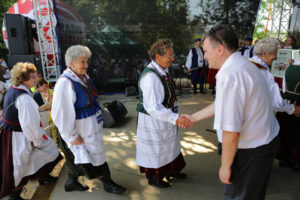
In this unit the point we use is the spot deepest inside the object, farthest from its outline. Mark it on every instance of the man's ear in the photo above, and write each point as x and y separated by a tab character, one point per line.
221	49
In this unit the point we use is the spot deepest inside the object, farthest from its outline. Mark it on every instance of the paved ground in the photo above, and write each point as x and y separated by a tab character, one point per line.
199	148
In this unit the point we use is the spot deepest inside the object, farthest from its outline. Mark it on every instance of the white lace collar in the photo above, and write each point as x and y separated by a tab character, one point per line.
257	60
158	68
72	75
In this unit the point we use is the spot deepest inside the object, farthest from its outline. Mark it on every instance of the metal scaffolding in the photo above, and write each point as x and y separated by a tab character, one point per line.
45	22
281	13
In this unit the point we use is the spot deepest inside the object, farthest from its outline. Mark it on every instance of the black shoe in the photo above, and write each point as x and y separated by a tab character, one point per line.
202	92
296	167
195	92
15	198
15	195
112	187
283	163
47	179
72	185
177	176
158	183
213	92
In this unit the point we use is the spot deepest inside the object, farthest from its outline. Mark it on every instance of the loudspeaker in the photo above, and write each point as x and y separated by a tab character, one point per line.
19	34
117	110
108	120
33	58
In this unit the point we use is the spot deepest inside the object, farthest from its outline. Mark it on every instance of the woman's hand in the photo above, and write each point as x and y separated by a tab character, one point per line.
184	121
78	141
291	61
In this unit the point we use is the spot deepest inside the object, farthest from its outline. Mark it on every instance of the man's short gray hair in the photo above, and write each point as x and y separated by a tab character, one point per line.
267	44
75	52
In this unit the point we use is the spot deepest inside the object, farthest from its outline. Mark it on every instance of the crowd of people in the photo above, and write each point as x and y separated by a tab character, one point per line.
103	69
247	95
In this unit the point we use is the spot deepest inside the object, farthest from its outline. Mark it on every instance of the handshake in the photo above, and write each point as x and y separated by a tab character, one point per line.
184	121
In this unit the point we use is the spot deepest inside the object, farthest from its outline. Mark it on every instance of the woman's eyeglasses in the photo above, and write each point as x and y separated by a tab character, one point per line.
170	56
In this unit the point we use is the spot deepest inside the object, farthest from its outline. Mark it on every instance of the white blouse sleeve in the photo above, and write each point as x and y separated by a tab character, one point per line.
188	62
29	118
63	110
153	96
278	103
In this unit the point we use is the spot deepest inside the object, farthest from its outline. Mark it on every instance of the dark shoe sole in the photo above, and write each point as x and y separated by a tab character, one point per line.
84	188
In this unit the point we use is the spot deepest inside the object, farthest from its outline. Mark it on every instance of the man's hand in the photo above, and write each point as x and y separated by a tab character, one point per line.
184	122
78	141
225	174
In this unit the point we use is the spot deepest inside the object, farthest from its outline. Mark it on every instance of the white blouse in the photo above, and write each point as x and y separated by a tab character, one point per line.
278	103
64	117
26	160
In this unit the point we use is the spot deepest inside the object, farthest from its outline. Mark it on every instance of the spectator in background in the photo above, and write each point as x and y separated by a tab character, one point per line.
46	95
248	53
4	71
241	42
289	42
196	65
248	45
3	89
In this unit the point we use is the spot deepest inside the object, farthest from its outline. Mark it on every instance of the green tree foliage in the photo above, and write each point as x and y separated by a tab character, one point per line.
239	14
143	21
4	6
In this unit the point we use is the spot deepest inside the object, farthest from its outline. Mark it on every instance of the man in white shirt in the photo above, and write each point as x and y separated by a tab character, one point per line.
195	64
243	118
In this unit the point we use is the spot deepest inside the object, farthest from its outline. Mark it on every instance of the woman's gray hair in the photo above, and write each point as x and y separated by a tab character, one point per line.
159	47
75	52
267	44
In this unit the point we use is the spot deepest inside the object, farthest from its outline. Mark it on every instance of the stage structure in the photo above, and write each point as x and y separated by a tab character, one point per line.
47	39
281	13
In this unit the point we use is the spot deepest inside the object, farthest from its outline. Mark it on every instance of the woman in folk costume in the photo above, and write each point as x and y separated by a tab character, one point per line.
26	151
78	117
158	150
265	53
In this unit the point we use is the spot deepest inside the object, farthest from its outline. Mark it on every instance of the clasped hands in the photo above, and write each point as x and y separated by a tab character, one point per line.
184	121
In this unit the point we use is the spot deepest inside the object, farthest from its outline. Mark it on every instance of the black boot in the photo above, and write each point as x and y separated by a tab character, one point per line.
47	179
158	183
15	195
177	176
112	187
201	89
73	184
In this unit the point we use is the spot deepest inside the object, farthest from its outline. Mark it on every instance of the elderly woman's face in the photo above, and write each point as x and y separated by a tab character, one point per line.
268	58
166	60
80	65
32	80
